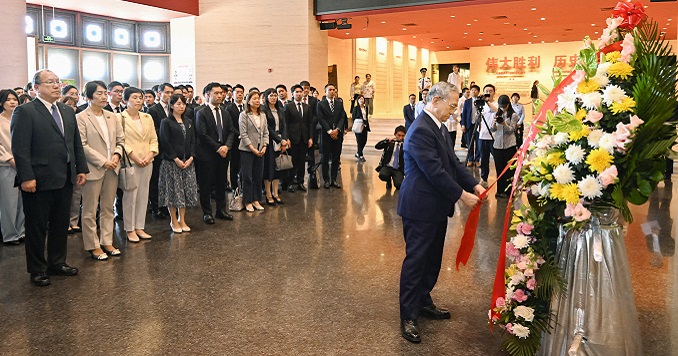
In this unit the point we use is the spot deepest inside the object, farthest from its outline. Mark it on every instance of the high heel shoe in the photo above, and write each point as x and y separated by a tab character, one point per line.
113	252
271	202
277	200
249	208
103	256
258	207
175	229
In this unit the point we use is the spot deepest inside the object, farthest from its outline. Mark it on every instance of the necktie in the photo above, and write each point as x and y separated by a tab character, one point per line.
301	114
443	131
240	108
117	110
332	105
166	111
220	127
57	118
412	107
396	153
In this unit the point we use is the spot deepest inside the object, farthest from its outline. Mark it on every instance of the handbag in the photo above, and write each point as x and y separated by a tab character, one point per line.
283	162
236	203
358	126
126	179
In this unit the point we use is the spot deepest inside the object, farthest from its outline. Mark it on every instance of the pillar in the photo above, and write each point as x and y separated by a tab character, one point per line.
14	61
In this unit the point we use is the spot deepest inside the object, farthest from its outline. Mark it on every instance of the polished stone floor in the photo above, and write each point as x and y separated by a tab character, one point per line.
316	276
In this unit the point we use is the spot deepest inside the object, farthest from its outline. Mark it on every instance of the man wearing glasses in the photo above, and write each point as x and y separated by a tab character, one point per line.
115	104
49	161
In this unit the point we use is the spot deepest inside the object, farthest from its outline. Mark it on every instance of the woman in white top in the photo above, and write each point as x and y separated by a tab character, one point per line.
102	140
11	207
253	145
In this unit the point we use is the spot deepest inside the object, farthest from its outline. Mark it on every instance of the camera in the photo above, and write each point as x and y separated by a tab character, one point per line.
480	102
499	118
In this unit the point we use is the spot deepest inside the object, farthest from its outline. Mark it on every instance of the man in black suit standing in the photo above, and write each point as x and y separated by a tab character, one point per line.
298	121
49	160
408	112
392	164
158	112
234	109
149	100
115	104
312	103
215	131
332	117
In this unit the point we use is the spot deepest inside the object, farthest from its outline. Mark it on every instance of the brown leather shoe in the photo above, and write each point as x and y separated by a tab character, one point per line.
409	329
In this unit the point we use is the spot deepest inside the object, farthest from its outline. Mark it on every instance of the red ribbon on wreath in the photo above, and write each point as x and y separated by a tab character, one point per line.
633	14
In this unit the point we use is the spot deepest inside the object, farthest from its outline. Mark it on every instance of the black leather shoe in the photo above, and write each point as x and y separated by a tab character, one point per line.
40	279
433	312
208	219
409	329
223	215
336	184
291	188
63	270
301	187
327	185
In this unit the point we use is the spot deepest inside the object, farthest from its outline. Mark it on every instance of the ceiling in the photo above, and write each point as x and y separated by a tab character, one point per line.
113	8
458	26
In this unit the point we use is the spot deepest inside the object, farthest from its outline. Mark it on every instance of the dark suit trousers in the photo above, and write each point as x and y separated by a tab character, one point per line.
212	176
47	217
331	151
485	151
501	159
424	243
387	173
298	152
361	139
153	187
235	163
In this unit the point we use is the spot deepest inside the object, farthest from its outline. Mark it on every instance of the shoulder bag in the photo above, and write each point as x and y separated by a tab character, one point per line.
126	177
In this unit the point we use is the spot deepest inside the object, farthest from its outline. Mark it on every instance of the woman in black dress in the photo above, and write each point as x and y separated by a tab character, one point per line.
278	142
360	113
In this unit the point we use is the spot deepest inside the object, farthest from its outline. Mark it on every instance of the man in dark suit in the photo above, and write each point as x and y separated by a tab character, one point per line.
392	167
332	118
49	160
149	100
408	112
158	112
434	181
298	119
312	103
469	116
234	109
115	104
215	131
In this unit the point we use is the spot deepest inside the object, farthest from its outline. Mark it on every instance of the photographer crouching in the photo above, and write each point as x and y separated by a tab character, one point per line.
504	127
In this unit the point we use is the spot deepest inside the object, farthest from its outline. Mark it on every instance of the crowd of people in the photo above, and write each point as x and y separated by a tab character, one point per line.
75	161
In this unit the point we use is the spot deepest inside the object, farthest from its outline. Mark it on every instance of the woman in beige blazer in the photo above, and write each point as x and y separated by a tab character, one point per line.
102	141
253	143
141	144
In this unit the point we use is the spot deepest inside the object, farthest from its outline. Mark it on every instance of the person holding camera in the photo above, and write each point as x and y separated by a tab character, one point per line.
504	127
469	120
392	165
485	138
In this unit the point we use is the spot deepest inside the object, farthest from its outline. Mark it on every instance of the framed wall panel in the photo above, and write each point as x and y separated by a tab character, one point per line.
94	32
126	68
154	70
96	66
64	63
122	36
61	26
153	38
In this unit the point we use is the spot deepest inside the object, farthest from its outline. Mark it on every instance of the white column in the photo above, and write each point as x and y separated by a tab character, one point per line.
13	42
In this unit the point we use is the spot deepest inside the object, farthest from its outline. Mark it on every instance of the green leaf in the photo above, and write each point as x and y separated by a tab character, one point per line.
645	188
589	63
565	122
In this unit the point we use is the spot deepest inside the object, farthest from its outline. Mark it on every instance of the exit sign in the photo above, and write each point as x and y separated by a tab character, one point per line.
47	38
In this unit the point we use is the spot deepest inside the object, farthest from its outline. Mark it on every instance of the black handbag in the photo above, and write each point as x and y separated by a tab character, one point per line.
126	177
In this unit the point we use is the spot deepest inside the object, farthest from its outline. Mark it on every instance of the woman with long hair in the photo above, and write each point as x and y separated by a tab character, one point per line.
11	206
360	112
278	144
253	146
177	185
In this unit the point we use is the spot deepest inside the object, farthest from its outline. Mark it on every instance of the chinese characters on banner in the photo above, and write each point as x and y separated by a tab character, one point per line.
518	65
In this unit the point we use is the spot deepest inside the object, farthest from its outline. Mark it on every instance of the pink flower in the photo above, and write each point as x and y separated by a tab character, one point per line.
509	328
519	296
628	48
635	122
578	212
608	176
529	272
540	261
522	265
531	283
622	136
579	77
524	228
593	116
501	302
511	250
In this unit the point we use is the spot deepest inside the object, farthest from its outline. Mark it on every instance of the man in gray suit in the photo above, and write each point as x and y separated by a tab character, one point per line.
49	161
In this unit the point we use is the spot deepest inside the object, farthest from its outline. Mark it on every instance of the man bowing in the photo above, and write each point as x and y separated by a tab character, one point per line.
434	181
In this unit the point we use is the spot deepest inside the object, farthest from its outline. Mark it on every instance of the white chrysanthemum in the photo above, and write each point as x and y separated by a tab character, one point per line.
521	331
603	68
602	80
594	138
613	93
560	138
545	142
607	142
520	241
575	154
591	100
590	187
563	174
524	312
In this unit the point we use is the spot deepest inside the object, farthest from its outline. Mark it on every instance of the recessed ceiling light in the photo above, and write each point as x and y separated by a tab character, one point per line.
593	24
452	17
347	33
529	42
664	28
404	29
468	24
669	19
504	44
383	22
534	9
543	18
524	29
645	6
542	41
535	36
431	41
507	23
448	47
475	20
480	39
596	32
481	33
414	36
492	44
556	41
466	33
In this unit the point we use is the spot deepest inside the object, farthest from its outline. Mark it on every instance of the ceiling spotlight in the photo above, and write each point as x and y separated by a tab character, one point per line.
542	41
414	36
468	24
452	16
347	33
383	22
543	18
492	44
535	36
556	41
593	24
524	29
534	9
448	47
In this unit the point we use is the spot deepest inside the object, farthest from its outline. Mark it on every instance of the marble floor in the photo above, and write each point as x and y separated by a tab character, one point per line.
316	276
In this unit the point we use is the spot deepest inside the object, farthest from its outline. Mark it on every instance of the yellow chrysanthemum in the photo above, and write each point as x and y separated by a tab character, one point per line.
570	193
577	135
581	114
588	86
620	70
599	160
613	57
555	190
554	159
627	104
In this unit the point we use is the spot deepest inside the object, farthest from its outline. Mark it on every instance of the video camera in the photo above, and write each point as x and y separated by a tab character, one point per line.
482	101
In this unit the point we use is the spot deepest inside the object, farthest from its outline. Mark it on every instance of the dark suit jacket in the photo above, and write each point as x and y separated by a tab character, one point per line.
41	151
81	108
172	141
281	134
386	157
434	177
332	120
110	108
157	113
467	113
208	136
313	105
408	114
232	109
298	126
358	114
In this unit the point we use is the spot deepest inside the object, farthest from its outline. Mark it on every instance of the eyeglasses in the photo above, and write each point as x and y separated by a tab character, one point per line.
51	82
453	106
117	91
